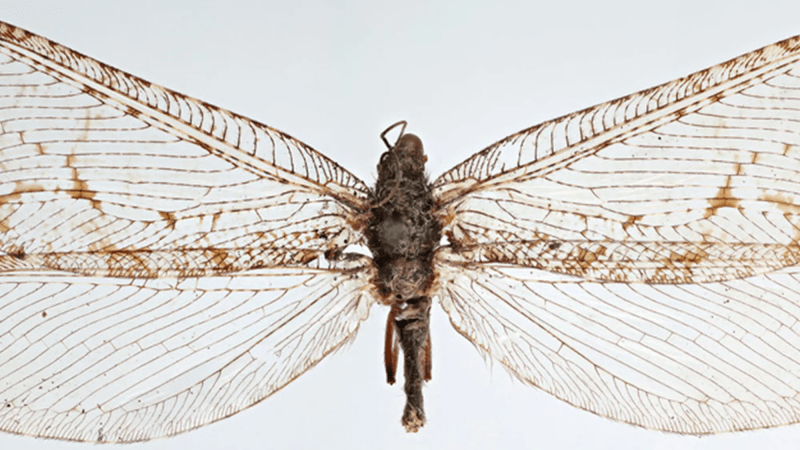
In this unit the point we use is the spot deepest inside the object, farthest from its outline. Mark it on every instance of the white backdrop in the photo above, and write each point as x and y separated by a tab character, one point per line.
464	74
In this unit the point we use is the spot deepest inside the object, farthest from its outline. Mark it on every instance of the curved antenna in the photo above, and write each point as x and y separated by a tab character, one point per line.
391	127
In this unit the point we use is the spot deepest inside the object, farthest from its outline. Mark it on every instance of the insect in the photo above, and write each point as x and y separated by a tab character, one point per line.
167	263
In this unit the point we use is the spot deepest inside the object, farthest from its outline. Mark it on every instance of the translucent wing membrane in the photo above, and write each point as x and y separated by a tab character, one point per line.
165	263
241	141
549	146
98	162
120	360
116	195
687	358
676	188
639	258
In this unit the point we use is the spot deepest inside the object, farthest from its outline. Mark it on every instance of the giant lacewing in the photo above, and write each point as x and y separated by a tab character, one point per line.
165	263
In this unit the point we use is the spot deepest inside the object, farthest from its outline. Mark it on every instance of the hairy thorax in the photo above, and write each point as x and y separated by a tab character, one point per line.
402	232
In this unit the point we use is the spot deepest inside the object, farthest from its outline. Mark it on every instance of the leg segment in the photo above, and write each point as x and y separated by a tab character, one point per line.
391	350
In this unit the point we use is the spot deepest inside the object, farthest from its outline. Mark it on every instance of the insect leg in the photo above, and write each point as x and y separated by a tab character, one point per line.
391	351
427	361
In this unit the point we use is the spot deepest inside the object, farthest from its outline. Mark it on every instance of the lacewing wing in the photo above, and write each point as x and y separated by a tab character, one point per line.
587	270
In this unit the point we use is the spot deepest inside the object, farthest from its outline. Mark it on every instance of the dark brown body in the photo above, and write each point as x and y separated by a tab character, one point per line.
402	235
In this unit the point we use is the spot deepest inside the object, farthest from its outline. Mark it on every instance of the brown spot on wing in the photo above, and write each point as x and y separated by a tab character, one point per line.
631	221
80	189
220	259
100	246
15	251
688	258
784	202
584	256
303	257
724	198
21	187
169	217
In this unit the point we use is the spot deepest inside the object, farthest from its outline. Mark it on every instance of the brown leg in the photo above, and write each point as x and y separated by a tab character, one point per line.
427	363
390	351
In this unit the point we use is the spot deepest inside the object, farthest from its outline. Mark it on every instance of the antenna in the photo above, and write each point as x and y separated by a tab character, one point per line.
391	127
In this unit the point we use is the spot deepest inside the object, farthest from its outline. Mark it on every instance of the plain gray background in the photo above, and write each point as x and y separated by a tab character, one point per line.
464	74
